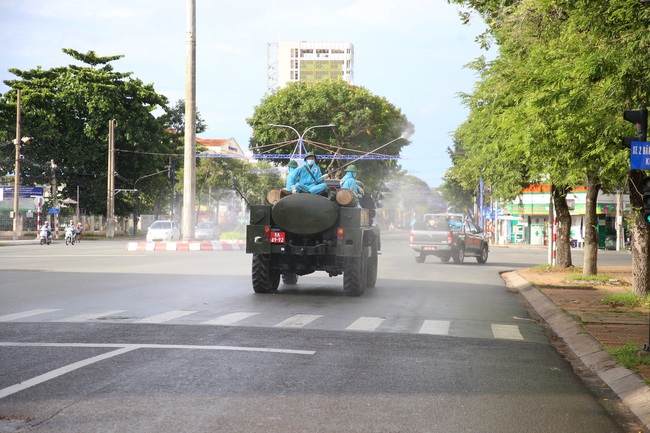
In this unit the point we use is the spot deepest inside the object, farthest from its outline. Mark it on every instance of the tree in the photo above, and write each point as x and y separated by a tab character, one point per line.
362	122
66	111
548	99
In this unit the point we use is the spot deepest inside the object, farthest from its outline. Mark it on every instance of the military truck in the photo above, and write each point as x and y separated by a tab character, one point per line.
303	233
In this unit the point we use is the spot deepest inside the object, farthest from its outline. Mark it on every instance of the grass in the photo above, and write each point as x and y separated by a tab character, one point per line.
628	356
581	277
626	299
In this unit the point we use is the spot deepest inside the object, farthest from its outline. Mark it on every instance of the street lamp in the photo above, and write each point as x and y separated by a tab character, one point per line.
300	144
136	193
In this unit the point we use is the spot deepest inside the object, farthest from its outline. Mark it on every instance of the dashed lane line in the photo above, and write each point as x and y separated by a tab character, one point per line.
435	327
507	332
25	314
298	321
165	317
365	324
229	319
90	316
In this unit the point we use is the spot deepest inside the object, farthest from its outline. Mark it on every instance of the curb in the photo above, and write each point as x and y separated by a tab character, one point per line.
186	246
628	385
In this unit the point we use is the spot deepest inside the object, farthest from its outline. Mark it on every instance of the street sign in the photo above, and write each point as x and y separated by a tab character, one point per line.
24	191
640	155
53	211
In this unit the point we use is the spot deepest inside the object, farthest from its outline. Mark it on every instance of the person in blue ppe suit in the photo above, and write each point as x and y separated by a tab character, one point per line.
292	170
349	180
309	177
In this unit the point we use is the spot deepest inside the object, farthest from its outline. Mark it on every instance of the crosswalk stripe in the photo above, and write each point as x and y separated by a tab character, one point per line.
435	327
365	324
165	317
90	316
298	321
229	319
508	332
24	314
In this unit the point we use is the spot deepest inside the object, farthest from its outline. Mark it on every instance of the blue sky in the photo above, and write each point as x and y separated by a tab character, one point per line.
411	52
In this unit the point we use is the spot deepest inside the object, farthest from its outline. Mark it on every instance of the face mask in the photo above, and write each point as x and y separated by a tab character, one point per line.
310	162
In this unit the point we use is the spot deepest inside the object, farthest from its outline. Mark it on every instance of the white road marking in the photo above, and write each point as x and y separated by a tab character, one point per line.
24	314
90	316
119	350
435	327
165	317
365	324
61	371
229	319
298	321
507	332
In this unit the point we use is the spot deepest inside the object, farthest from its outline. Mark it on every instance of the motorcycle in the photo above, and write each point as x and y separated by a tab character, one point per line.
44	236
70	236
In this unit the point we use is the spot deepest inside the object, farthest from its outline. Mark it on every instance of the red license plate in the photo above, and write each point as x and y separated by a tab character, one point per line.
278	237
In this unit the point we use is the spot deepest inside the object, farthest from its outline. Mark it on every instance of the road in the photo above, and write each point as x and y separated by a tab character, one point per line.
97	338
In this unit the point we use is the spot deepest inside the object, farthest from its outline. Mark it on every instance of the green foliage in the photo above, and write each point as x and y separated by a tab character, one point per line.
362	123
66	111
628	356
627	299
233	236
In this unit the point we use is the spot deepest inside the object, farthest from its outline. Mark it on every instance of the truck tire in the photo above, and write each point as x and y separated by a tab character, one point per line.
420	258
459	256
482	258
354	276
373	262
265	280
289	278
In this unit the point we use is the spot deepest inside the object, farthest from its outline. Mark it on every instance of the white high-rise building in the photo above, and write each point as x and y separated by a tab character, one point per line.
309	61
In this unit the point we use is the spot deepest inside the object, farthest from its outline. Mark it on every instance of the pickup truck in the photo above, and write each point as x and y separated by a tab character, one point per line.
448	236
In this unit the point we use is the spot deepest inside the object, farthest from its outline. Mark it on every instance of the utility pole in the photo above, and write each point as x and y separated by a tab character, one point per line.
110	193
189	167
17	171
55	199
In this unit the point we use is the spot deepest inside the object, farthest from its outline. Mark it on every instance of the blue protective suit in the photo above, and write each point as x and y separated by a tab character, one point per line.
349	182
310	179
291	177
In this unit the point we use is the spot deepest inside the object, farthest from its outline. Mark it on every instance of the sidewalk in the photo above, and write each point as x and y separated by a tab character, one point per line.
571	309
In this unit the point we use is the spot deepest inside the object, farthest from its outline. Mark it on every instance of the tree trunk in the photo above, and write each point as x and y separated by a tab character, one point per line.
590	265
640	259
563	248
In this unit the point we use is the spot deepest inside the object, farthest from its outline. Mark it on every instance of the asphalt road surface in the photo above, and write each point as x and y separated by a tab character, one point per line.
95	338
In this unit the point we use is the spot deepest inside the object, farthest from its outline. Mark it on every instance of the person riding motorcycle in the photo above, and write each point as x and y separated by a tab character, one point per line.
47	229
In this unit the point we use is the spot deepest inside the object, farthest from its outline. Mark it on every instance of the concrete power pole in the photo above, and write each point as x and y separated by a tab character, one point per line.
110	193
17	228
189	171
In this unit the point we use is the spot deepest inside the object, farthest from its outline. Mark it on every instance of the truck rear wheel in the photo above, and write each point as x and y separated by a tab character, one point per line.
289	278
420	258
354	276
373	262
265	280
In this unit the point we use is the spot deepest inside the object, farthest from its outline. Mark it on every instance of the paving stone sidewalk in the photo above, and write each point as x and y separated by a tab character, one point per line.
578	316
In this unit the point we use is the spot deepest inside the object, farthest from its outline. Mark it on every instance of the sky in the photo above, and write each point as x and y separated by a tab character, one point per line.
411	52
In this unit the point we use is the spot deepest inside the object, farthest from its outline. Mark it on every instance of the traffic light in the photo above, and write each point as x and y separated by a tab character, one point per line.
640	118
646	200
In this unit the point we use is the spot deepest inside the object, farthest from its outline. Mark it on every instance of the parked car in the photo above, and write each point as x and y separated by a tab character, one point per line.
206	230
163	231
